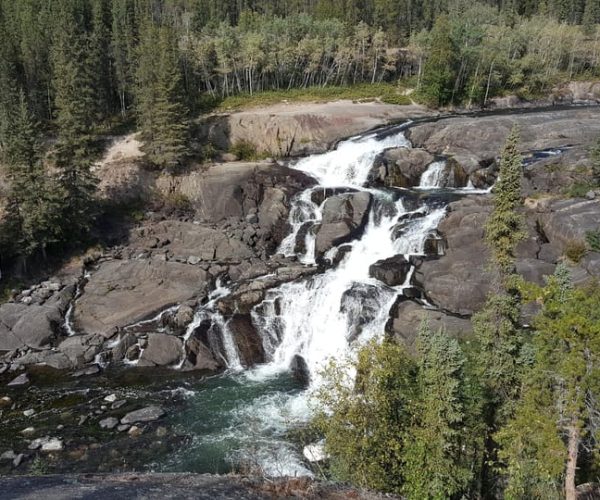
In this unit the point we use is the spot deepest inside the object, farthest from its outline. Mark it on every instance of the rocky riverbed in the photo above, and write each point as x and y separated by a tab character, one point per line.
116	362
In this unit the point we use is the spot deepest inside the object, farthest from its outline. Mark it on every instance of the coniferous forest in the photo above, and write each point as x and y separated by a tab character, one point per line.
73	69
509	410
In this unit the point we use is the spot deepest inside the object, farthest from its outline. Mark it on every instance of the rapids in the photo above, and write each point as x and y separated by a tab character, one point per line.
246	416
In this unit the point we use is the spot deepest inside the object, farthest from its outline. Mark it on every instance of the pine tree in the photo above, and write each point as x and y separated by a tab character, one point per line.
436	464
162	115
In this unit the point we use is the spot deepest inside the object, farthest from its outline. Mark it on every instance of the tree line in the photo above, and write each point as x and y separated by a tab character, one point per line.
71	70
511	412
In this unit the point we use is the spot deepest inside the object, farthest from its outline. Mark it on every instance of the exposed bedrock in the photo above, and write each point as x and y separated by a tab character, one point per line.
474	142
344	219
407	316
301	129
35	318
460	280
122	292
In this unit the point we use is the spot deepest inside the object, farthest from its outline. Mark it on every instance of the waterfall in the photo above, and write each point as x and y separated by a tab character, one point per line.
350	163
218	324
304	214
328	315
433	177
324	316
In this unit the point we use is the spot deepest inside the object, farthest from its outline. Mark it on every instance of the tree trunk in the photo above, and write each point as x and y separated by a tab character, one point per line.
573	450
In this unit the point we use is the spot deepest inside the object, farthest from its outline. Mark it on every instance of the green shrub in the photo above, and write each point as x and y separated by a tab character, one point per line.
177	202
593	239
245	150
575	250
579	189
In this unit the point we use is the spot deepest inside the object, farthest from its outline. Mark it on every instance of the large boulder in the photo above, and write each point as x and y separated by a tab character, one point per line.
232	189
392	271
26	324
247	340
406	317
120	293
162	350
344	218
400	167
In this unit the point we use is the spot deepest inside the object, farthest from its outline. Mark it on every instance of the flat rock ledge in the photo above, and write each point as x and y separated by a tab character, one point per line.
172	486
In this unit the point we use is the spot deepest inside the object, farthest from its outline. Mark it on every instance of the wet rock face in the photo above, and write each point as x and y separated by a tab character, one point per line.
344	219
361	304
300	370
35	318
248	341
401	167
120	293
392	271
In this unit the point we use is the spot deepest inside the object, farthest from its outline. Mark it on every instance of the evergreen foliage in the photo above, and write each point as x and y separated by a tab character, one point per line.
162	115
555	421
76	108
363	420
404	424
32	221
441	67
438	452
505	227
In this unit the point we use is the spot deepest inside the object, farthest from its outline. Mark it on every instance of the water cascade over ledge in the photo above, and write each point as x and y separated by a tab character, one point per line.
315	319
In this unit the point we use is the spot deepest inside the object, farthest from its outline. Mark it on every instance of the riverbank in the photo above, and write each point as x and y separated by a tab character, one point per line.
173	486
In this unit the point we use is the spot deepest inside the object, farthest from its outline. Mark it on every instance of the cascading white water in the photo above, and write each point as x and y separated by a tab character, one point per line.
433	177
208	312
324	316
349	164
303	212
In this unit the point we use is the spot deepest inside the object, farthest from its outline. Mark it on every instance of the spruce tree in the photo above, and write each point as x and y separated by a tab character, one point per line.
505	227
75	101
32	206
555	421
439	73
499	357
162	115
436	463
